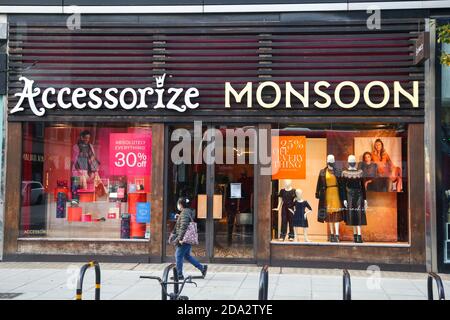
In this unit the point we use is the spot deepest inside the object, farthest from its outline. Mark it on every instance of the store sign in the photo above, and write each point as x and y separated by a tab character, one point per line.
288	157
422	47
128	98
317	95
320	98
33	157
130	154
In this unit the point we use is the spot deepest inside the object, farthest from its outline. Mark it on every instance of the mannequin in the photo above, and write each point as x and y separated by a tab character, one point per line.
330	194
355	198
302	208
286	198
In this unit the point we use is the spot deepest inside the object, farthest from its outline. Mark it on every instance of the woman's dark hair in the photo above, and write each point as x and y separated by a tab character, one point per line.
85	133
184	202
382	151
364	156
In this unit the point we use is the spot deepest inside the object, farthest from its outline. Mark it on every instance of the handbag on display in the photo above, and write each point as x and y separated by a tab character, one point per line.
191	235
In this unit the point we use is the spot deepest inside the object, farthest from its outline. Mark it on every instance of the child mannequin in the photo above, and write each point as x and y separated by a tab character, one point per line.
302	208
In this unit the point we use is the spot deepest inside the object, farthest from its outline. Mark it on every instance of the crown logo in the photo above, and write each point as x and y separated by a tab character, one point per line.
160	81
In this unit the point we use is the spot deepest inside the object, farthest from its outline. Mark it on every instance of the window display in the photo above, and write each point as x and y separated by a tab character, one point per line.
351	186
90	181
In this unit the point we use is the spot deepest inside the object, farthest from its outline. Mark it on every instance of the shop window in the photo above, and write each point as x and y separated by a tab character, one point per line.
443	146
349	180
86	181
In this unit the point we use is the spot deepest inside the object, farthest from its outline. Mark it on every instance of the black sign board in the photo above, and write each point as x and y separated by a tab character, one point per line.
422	47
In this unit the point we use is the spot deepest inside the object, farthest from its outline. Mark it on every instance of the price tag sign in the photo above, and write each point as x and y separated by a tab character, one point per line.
130	154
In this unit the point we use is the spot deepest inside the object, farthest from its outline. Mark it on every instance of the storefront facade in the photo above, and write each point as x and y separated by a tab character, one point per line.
128	113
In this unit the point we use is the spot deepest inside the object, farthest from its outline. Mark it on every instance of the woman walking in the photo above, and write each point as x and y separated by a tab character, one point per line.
183	250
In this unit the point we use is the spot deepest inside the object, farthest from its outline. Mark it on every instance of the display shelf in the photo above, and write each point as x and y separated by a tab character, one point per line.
62	228
345	244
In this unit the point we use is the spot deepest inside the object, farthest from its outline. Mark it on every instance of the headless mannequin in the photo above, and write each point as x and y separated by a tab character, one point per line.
299	198
287	187
352	166
334	226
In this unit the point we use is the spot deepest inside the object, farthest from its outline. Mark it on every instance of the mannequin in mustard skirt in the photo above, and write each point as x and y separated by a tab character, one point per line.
330	194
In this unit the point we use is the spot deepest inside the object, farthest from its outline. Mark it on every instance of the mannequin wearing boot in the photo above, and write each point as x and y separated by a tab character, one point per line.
330	194
355	198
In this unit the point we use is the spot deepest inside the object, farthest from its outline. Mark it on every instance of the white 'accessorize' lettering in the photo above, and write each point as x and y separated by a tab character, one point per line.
113	98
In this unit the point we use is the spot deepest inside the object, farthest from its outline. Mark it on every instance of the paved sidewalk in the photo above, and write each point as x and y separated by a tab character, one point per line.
56	281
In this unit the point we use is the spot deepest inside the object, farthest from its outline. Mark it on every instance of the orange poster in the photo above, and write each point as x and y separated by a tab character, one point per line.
288	157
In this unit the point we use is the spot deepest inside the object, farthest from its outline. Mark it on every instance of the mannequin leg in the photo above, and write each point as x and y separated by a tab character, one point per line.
331	231
305	234
336	228
331	228
283	224
359	238
290	220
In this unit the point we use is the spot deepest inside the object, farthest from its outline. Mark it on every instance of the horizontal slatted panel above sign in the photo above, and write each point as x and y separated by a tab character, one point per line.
208	56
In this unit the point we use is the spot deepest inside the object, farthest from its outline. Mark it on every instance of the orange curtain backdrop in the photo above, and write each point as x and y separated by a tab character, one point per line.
288	157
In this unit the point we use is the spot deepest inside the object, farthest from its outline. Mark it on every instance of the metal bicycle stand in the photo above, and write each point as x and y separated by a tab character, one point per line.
165	279
440	287
164	282
79	292
346	286
263	283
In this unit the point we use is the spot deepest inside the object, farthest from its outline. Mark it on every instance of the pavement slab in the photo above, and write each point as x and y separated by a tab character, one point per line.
57	281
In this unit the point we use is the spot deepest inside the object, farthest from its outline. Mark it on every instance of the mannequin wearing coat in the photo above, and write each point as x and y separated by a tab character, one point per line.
330	194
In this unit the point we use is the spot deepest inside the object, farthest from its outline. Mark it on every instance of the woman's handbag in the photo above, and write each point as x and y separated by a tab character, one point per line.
191	235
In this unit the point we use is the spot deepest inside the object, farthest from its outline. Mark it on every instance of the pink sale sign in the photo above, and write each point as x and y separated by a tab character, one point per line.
130	154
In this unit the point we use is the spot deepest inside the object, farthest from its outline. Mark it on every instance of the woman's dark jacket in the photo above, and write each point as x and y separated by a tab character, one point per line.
321	189
185	217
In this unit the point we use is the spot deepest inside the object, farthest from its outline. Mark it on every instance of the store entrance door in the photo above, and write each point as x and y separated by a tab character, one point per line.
232	194
221	187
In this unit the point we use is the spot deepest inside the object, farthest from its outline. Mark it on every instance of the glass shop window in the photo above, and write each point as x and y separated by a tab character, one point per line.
89	181
340	184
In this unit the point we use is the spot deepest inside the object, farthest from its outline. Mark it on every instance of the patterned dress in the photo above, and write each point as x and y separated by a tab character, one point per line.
355	194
